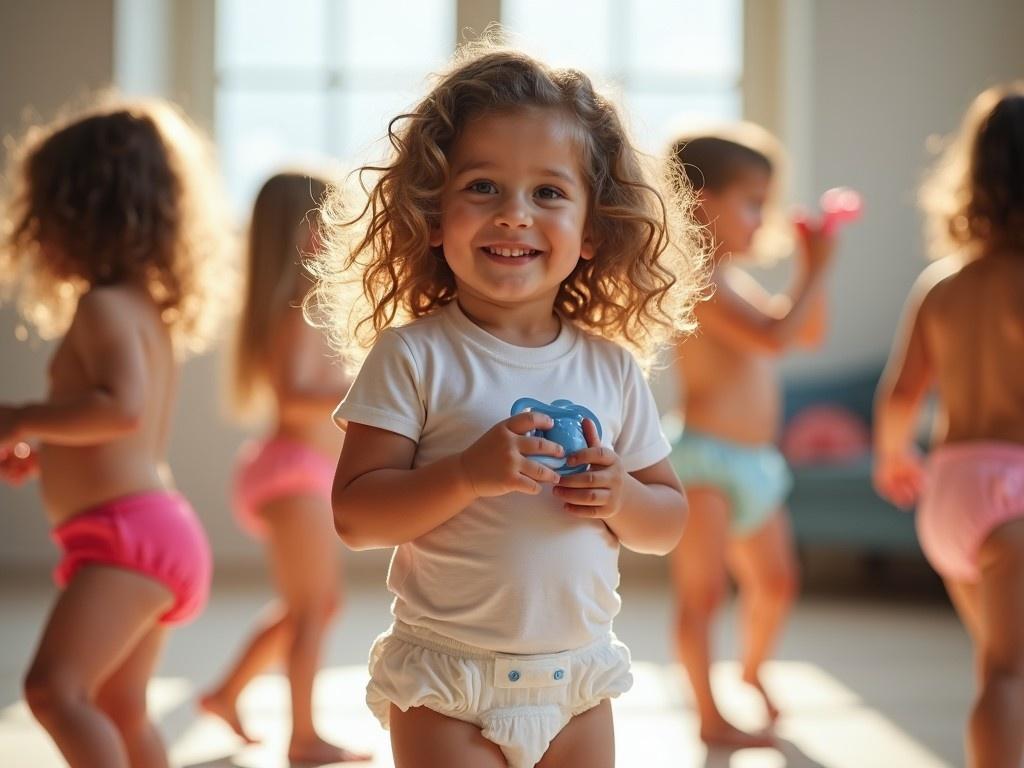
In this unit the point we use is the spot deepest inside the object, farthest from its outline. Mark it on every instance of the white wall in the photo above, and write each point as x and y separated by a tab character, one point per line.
887	75
882	76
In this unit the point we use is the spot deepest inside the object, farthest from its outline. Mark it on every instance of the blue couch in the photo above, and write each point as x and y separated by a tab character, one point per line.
834	505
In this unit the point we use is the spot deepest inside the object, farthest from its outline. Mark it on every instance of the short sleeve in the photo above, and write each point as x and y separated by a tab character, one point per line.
641	443
386	393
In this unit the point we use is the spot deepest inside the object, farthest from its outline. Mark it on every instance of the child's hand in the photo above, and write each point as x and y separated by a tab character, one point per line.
596	493
899	478
498	462
18	464
817	244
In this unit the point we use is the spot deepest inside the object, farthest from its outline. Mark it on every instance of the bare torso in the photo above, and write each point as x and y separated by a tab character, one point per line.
974	330
730	384
304	369
729	393
75	478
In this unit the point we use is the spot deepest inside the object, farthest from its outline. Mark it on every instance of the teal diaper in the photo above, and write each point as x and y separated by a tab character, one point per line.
756	479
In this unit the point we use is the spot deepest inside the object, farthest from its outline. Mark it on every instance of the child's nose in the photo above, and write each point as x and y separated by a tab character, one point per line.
513	213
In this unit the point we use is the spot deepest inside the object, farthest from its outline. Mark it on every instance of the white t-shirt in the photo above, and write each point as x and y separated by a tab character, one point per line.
513	573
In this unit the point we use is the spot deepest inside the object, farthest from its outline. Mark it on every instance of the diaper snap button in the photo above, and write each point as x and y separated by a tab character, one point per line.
559	674
513	676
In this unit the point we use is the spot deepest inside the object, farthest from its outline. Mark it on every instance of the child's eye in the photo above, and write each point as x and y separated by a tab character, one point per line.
549	193
483	187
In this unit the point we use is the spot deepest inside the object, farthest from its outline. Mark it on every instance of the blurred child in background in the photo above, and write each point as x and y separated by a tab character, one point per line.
963	337
735	478
283	482
113	238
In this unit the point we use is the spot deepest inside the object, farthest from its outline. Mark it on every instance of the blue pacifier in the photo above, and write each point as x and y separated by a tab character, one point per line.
567	430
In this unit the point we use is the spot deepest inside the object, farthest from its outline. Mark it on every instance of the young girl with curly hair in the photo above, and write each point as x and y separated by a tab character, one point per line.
114	239
513	246
963	338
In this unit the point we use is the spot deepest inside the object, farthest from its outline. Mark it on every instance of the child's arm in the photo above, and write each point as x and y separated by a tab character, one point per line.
645	509
113	362
308	381
904	384
745	315
379	500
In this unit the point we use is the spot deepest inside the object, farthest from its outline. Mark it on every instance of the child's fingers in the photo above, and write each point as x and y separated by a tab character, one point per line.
525	485
585	510
536	471
527	421
590	433
590	479
598	454
538	446
584	497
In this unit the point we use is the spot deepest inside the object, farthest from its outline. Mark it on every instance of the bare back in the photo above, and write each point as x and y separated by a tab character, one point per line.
120	325
308	383
973	324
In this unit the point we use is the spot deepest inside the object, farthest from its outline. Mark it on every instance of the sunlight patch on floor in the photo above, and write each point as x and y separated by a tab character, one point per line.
826	726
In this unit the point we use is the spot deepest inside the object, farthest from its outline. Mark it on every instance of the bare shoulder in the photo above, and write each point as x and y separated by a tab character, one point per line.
114	312
936	280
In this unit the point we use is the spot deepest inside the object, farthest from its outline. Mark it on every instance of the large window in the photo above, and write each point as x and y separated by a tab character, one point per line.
671	63
317	80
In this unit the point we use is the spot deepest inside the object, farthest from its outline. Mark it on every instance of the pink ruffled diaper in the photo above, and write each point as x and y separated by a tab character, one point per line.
275	469
155	534
970	490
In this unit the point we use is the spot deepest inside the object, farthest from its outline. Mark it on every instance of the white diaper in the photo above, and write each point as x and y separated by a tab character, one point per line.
519	702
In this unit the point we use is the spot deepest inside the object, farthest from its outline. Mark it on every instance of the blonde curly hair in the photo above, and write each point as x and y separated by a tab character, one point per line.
973	199
121	191
378	268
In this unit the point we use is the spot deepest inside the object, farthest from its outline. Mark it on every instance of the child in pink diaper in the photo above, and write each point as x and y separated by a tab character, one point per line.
963	337
282	490
113	239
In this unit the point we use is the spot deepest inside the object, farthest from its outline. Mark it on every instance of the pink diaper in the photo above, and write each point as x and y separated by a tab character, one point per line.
970	490
155	534
274	469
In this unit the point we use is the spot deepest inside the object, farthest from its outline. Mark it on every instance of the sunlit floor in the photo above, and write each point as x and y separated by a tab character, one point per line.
863	682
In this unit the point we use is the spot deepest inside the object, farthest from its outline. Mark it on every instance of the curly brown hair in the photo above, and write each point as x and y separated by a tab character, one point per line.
973	199
378	269
123	191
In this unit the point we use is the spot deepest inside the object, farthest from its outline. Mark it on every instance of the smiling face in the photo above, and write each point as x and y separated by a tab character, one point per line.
513	213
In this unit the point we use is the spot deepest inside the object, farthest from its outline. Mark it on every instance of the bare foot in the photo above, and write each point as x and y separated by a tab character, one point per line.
752	679
725	734
316	751
226	711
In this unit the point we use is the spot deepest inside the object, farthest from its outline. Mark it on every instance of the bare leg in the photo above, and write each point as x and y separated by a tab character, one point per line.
966	599
306	563
422	738
699	582
587	741
765	567
265	646
123	699
102	615
996	728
